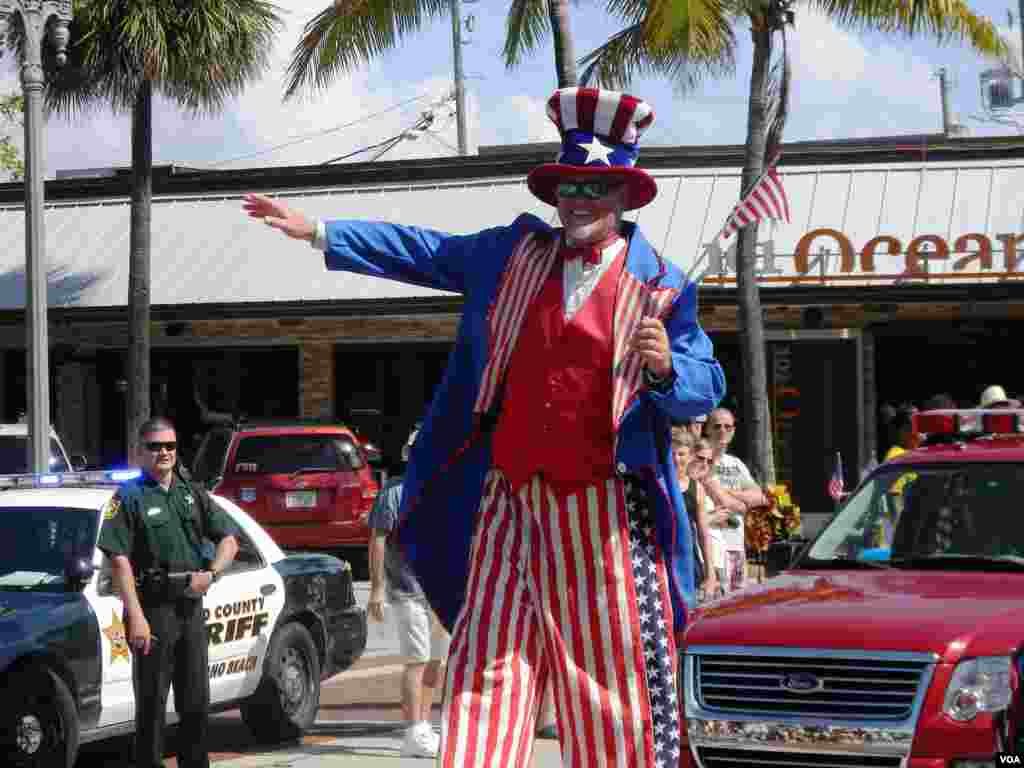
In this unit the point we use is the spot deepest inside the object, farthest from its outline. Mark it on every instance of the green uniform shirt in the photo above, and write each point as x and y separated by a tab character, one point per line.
162	529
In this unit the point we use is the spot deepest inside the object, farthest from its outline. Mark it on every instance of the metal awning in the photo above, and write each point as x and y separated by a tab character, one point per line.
207	252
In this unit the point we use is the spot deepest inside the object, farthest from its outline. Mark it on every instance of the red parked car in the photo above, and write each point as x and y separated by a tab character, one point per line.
309	485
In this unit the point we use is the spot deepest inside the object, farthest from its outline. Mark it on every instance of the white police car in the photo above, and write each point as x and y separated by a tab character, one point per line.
277	625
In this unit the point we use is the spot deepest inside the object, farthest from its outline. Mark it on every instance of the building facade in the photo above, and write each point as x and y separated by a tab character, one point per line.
897	277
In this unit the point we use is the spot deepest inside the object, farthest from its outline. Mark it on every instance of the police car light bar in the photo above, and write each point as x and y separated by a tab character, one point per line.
973	422
69	479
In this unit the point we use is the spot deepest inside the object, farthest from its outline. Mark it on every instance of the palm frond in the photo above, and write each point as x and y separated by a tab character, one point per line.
687	57
197	54
526	27
350	33
945	21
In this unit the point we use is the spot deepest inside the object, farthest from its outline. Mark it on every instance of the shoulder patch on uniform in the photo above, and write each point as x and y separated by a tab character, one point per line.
112	508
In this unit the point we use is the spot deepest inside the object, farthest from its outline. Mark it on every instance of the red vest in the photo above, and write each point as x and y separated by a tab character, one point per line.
556	415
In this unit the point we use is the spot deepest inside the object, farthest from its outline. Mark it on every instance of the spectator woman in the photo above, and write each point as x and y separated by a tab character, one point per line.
692	463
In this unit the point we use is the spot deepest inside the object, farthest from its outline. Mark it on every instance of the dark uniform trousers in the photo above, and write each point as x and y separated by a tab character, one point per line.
179	652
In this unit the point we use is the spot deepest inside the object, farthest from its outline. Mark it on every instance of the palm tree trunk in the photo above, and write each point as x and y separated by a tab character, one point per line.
752	347
139	267
565	56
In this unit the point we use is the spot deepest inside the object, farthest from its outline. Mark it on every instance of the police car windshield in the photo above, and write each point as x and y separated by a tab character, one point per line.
952	517
14	455
37	543
284	454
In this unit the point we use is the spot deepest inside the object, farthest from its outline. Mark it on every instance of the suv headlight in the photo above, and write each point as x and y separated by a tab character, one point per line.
978	685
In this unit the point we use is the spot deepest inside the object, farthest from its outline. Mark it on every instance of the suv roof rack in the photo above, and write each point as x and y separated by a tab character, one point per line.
91	479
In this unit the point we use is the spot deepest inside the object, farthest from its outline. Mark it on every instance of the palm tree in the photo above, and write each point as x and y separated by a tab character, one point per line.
197	53
689	42
349	33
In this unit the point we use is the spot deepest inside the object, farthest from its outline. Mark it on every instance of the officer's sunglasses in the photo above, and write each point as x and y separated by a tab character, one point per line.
170	447
589	190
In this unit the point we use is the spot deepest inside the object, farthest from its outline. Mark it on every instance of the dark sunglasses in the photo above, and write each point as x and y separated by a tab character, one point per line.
703	459
591	190
155	447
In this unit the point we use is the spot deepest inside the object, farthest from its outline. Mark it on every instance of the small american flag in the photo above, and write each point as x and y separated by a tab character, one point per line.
836	481
766	200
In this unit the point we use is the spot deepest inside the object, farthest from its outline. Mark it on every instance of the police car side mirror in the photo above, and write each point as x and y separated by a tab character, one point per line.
78	572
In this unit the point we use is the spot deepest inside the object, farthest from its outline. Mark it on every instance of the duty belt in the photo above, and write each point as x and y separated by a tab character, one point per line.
167	585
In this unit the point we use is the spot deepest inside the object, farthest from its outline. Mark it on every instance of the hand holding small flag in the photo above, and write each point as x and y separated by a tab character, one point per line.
836	482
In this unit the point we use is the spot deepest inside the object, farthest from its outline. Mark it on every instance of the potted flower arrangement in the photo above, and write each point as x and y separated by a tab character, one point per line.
777	520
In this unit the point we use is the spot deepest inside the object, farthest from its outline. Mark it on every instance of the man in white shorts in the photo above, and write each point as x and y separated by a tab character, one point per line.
420	636
733	490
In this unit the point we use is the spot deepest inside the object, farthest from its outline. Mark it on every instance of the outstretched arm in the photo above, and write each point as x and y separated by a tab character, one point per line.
409	254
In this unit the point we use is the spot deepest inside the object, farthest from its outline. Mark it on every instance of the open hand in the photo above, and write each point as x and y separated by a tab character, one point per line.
375	605
650	340
279	216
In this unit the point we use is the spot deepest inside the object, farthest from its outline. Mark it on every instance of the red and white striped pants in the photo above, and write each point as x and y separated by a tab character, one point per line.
558	595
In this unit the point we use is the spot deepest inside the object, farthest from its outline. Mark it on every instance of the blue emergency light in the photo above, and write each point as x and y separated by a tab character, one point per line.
70	479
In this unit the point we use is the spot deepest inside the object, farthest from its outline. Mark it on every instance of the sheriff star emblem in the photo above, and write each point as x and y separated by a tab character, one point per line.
189	500
118	641
112	508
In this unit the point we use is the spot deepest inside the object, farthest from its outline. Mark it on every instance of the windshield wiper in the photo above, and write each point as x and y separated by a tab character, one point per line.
841	563
941	559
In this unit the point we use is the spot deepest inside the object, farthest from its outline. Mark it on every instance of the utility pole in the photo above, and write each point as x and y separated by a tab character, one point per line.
460	80
948	127
1020	64
40	19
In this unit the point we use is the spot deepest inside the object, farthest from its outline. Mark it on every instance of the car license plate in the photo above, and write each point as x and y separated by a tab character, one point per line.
300	499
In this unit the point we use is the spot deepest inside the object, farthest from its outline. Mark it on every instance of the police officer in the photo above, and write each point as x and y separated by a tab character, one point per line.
153	533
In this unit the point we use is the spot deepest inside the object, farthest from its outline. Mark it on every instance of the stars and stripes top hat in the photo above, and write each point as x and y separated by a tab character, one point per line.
600	131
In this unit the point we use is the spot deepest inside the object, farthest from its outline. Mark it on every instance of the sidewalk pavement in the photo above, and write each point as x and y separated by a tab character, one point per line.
360	723
354	743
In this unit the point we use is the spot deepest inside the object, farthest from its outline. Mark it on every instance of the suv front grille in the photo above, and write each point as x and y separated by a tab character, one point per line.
718	757
807	686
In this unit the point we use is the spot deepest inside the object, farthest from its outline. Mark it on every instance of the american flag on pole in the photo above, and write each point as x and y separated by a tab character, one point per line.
766	200
836	481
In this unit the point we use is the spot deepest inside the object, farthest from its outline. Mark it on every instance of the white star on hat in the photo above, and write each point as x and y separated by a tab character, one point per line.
596	151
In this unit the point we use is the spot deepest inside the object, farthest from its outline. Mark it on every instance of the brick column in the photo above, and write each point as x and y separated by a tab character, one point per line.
316	380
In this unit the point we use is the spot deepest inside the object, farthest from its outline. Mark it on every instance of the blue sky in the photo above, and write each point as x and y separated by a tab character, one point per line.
845	85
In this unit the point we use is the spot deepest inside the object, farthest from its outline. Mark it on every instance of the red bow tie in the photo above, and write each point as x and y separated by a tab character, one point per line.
588	253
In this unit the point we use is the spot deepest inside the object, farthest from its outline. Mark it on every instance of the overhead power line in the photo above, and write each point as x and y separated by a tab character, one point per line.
317	134
420	127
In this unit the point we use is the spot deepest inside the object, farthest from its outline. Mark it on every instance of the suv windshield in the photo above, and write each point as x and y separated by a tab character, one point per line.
957	515
284	454
14	455
36	544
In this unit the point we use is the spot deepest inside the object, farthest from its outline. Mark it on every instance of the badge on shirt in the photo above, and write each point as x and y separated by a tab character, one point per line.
112	508
189	500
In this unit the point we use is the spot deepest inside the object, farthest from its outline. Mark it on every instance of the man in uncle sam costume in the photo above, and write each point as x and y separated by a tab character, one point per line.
541	511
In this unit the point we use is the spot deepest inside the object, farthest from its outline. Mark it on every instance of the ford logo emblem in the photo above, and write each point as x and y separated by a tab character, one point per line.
802	682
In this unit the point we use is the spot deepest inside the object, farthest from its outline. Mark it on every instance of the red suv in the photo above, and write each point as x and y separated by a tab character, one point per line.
895	638
308	485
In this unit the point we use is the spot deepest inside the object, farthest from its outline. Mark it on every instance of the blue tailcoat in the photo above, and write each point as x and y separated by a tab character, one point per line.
441	496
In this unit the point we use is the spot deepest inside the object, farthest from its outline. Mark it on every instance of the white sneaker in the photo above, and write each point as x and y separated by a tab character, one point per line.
420	741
